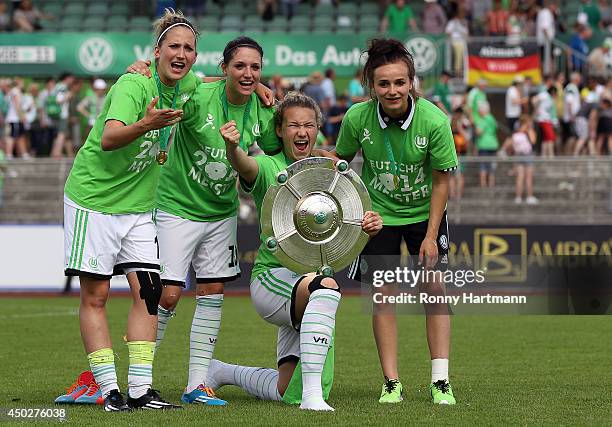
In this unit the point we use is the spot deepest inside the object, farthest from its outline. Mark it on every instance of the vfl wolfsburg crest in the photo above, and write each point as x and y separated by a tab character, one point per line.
95	54
420	141
255	130
312	217
93	263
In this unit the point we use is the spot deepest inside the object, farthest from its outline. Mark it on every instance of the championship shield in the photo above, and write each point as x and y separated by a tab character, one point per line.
311	219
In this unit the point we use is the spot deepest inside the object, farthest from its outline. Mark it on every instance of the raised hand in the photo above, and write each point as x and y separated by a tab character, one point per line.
160	118
230	133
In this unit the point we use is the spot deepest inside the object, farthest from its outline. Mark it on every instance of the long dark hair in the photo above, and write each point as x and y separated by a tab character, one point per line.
387	51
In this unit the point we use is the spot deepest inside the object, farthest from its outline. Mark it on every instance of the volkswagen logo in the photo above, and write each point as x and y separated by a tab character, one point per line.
424	53
95	54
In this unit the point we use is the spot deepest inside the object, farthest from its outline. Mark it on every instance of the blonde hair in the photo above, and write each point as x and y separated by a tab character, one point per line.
170	19
297	99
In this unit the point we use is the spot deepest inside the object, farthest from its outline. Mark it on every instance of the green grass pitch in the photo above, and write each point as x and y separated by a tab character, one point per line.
545	370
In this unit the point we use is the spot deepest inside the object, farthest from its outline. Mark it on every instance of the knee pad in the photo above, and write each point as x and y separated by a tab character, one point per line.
150	289
315	284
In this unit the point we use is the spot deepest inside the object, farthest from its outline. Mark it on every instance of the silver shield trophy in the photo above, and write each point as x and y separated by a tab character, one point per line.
311	219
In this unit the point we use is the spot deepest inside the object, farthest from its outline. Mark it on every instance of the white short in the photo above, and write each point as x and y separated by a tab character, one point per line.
581	126
271	293
211	247
101	245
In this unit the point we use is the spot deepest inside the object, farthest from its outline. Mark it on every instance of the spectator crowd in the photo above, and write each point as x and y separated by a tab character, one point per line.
569	114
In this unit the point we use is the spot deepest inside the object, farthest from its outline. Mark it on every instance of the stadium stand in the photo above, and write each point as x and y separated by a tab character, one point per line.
571	190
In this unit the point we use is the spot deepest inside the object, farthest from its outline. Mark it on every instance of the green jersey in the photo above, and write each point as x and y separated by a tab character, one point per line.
398	18
123	181
198	182
487	139
269	167
474	98
398	160
442	93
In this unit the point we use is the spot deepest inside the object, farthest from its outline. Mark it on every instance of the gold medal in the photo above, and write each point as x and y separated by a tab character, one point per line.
162	156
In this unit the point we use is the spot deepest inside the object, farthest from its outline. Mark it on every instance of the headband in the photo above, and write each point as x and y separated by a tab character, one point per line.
172	26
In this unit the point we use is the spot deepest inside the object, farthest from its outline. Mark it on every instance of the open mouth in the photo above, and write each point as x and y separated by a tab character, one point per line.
393	100
246	84
301	145
177	67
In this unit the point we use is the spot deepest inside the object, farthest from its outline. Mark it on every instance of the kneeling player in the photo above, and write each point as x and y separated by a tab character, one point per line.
303	307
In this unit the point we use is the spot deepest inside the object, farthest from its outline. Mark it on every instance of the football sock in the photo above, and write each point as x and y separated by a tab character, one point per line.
316	331
260	382
439	370
140	372
163	316
203	337
102	364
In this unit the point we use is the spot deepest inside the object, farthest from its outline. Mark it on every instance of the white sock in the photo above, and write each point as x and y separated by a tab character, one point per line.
439	370
106	377
102	365
316	331
140	378
260	382
203	337
163	316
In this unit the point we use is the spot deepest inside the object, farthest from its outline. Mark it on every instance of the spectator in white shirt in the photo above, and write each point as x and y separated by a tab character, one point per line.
545	31
514	102
457	32
571	106
544	106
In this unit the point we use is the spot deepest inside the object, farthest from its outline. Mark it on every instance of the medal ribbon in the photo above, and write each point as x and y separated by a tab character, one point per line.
245	116
394	166
164	133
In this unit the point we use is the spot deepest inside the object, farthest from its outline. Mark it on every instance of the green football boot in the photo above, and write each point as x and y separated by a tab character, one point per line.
391	392
442	393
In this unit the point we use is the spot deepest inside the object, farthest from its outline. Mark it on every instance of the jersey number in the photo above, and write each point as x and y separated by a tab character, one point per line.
234	256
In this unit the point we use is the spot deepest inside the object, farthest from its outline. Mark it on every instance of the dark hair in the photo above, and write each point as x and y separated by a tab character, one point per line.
297	99
170	18
242	41
387	51
64	75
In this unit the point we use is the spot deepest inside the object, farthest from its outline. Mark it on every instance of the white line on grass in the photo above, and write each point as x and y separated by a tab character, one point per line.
47	314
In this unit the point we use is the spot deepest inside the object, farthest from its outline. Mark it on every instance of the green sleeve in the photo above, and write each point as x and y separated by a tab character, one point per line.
259	186
190	115
270	142
127	102
442	148
347	144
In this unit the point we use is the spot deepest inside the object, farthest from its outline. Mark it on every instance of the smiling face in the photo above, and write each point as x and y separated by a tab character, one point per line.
392	86
298	131
175	55
243	73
